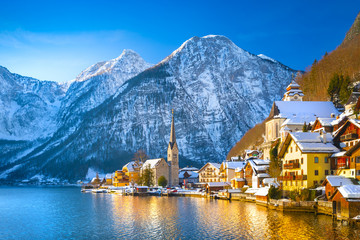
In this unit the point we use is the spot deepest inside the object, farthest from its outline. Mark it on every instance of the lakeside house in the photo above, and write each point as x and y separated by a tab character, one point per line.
188	175
227	169
332	183
305	159
210	172
239	180
346	201
256	171
132	170
120	179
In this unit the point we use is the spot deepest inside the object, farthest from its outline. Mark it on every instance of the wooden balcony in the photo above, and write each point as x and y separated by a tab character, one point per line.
291	165
292	178
349	136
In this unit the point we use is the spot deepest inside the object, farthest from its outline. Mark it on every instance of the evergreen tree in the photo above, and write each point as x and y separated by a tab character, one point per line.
162	181
275	163
345	89
146	177
305	127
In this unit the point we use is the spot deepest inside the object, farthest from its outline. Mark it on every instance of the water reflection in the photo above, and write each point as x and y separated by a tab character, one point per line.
65	213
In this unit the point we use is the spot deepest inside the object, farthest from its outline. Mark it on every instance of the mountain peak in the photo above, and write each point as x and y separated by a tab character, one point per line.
128	61
209	44
354	30
128	53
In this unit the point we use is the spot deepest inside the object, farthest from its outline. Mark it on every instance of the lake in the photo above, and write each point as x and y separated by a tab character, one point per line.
66	213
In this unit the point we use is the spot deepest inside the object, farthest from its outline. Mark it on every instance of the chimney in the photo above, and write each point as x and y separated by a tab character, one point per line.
323	135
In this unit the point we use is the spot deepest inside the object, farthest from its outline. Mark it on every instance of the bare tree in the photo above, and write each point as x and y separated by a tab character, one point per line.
140	157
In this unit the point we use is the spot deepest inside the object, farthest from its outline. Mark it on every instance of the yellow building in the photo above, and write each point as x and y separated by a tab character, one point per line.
120	179
305	159
227	170
132	170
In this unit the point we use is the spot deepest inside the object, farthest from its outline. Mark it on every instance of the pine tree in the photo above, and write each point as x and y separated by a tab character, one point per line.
275	163
162	181
305	127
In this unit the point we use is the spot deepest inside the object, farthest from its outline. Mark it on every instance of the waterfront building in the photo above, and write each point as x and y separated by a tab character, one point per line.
209	173
159	167
346	201
108	178
188	175
256	172
216	186
332	183
227	170
132	170
96	181
239	180
305	159
120	179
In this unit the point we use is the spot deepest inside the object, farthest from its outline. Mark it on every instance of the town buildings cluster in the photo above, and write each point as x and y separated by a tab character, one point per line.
315	143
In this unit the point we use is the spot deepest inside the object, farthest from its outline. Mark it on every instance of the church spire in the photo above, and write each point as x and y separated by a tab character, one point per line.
172	132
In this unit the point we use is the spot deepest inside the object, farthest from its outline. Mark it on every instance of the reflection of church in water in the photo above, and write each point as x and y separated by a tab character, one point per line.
170	168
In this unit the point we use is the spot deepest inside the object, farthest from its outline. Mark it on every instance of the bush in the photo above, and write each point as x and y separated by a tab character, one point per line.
274	193
162	181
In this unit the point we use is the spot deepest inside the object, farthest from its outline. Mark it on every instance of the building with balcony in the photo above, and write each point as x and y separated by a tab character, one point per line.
210	172
305	159
227	170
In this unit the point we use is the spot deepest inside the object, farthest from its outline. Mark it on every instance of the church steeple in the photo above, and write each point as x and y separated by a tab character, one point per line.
172	132
173	156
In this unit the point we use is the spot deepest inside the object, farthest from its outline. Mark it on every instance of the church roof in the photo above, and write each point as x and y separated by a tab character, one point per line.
152	162
308	110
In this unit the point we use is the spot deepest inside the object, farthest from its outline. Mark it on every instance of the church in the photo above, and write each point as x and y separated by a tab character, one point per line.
170	168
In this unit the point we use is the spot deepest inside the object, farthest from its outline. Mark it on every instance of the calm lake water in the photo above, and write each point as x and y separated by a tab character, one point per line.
66	213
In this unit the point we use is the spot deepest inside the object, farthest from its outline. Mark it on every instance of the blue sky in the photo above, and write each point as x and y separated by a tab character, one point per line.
56	40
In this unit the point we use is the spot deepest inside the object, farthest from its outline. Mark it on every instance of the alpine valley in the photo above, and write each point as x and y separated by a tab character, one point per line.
112	109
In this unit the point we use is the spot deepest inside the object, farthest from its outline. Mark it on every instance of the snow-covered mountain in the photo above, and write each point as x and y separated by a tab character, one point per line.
28	106
218	92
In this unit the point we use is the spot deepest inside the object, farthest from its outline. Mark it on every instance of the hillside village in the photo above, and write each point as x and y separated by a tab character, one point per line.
309	146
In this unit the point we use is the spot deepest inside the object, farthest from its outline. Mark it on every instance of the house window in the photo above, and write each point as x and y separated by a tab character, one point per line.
329	194
353	173
316	172
357	159
291	150
357	172
352	159
351	144
302	160
296	148
326	160
332	172
316	159
315	183
326	172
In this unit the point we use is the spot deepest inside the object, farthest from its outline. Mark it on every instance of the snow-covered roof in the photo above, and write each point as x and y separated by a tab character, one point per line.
350	191
218	184
130	166
308	137
234	165
192	174
259	165
251	190
151	162
326	122
262	191
339	154
305	109
263	175
314	142
189	169
337	181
